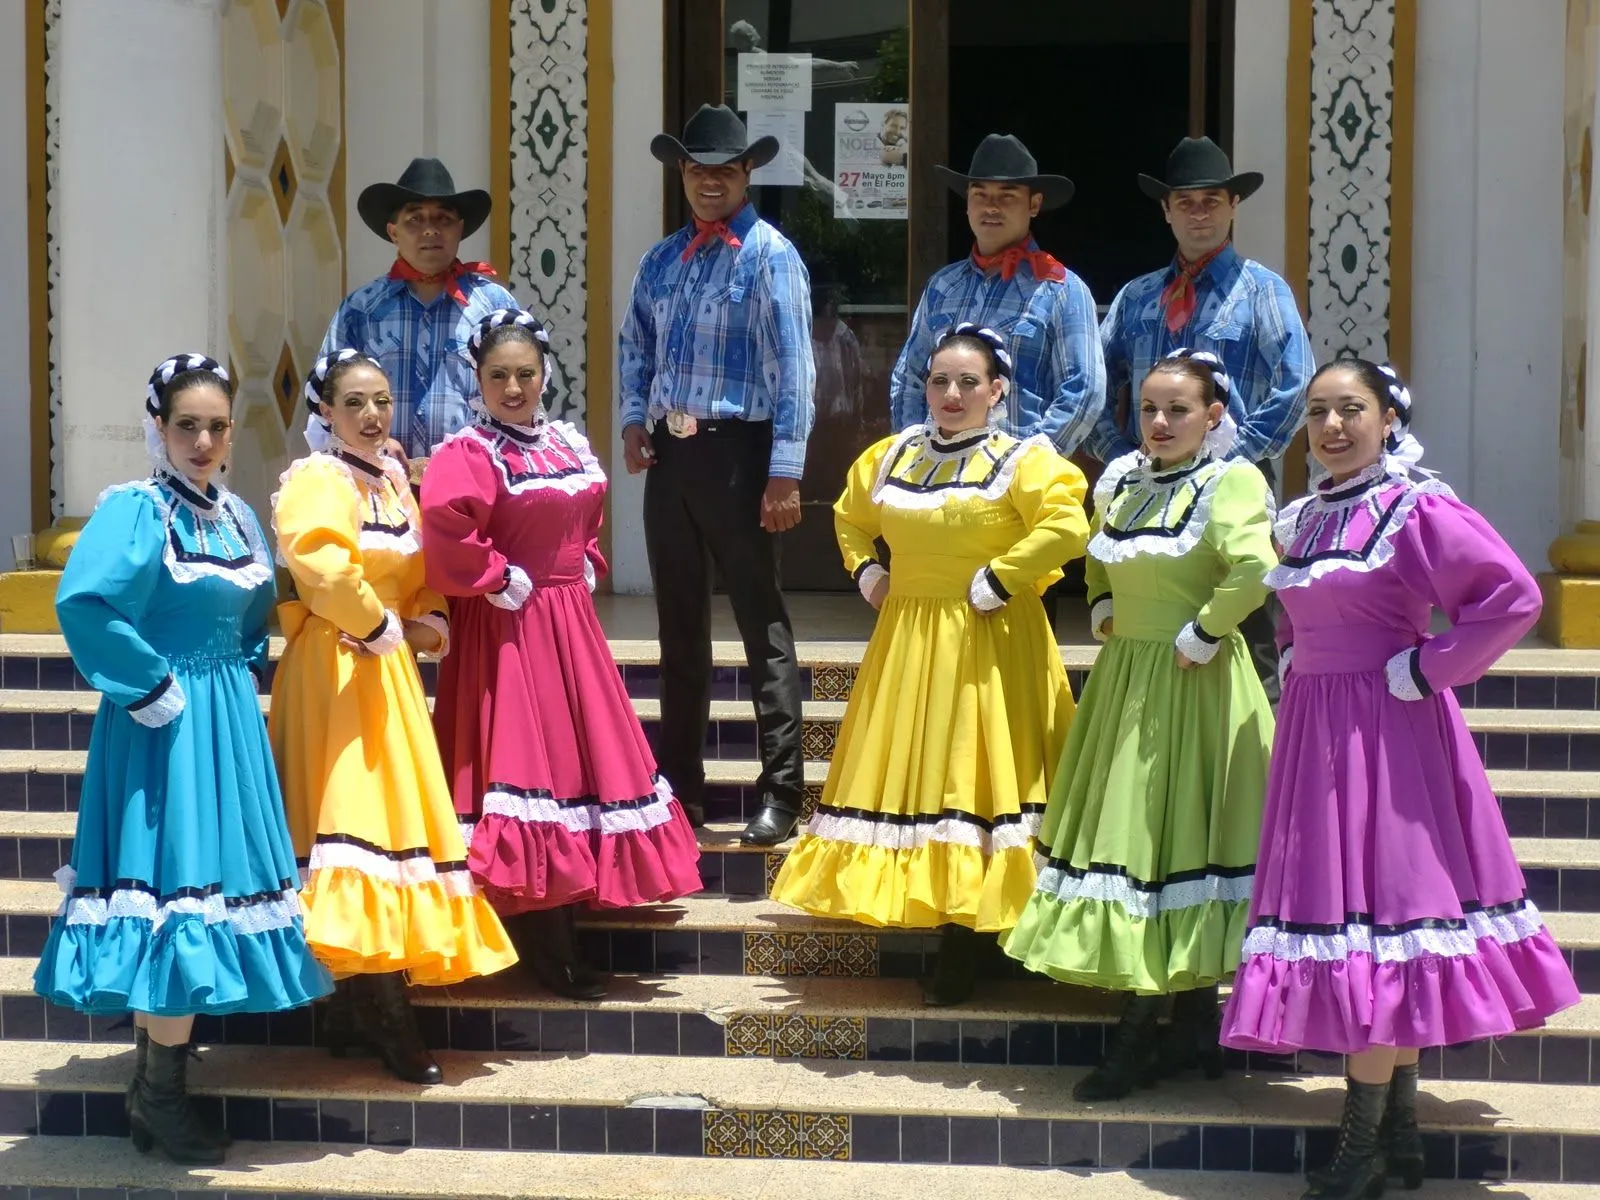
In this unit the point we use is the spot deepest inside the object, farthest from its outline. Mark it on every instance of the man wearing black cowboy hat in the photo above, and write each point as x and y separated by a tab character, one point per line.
1008	284
715	349
1207	298
416	319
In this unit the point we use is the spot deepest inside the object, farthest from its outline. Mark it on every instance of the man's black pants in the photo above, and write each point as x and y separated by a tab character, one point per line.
702	505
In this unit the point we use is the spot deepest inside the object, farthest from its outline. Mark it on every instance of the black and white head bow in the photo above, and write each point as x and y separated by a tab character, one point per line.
1220	439
499	319
1401	445
155	390
319	433
989	338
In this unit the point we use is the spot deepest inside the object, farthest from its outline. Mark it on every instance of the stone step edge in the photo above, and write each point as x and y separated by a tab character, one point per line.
799	1085
724	997
1521	660
357	1172
734	914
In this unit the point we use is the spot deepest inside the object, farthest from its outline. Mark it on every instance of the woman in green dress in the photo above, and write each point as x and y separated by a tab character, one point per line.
1152	823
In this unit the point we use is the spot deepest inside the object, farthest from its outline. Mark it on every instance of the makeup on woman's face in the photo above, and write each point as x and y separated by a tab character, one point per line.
361	408
960	391
198	432
1173	417
511	377
1345	424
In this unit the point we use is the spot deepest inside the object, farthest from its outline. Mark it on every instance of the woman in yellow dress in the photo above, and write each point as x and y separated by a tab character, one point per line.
387	890
961	706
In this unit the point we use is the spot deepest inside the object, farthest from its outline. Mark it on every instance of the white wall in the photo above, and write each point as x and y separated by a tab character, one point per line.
1487	258
16	385
638	179
1260	88
416	85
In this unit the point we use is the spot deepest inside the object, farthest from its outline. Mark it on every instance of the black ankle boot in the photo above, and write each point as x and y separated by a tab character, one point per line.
1357	1169
547	940
141	1059
342	1031
955	975
773	823
1398	1135
1131	1061
394	1033
1190	1042
159	1112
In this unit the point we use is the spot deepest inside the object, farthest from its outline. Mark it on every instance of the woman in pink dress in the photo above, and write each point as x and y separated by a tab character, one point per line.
556	788
1389	913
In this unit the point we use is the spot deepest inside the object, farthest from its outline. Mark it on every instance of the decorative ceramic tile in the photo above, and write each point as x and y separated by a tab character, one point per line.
812	798
817	739
1352	140
777	1134
832	683
825	1135
836	954
748	1035
840	1037
549	185
856	955
773	863
726	1134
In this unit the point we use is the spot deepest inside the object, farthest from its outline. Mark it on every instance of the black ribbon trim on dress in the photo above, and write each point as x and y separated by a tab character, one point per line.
399	530
1385	519
350	839
1158	531
154	694
949	814
205	502
1451	924
959	443
576	801
355	460
184	555
525	435
1150	885
954	484
185	893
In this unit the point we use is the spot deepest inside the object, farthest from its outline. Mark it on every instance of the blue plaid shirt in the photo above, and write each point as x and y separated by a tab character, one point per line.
1246	316
423	349
1049	327
726	335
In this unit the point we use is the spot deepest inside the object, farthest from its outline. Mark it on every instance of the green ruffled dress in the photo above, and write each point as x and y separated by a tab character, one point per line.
1152	824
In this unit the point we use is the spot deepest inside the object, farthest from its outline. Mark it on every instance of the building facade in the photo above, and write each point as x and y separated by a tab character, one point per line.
182	174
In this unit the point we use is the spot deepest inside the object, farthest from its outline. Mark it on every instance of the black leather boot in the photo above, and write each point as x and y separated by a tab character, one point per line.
775	821
393	1030
1398	1135
1357	1169
955	975
141	1058
547	940
342	1031
159	1113
1190	1042
1131	1061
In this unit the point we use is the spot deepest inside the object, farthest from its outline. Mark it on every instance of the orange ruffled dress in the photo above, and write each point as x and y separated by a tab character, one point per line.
374	828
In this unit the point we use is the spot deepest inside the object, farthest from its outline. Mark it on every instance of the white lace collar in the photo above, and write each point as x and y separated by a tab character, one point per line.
1153	512
917	474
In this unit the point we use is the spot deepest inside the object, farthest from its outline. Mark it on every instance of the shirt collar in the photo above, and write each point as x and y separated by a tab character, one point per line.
740	224
1217	271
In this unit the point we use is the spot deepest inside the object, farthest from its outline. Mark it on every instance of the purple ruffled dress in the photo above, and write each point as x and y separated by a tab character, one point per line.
1388	907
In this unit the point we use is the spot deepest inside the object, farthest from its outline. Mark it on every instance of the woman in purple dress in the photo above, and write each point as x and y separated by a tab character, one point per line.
1389	913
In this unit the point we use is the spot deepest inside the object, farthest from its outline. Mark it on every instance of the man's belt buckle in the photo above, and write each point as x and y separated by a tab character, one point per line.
681	424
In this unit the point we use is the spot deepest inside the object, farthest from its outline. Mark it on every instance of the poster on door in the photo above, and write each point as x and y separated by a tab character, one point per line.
871	147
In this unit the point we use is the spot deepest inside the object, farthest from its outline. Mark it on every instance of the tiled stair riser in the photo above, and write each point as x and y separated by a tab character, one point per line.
858	1137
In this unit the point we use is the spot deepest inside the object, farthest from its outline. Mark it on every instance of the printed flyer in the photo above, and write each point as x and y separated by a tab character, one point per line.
870	152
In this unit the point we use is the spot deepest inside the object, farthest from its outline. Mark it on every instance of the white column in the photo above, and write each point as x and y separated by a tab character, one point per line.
1260	93
16	381
141	189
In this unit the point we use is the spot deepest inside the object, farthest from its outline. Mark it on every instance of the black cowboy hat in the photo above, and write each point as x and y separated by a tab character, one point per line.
1001	158
1199	163
424	179
712	137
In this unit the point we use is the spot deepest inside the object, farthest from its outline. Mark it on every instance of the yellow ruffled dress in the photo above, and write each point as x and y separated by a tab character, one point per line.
958	716
374	829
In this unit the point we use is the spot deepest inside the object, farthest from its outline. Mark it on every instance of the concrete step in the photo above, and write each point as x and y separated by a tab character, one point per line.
295	1170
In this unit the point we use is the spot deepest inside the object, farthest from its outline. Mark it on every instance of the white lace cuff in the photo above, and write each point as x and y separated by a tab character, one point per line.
1099	614
1404	675
868	579
518	587
390	636
1197	645
440	624
589	577
1285	657
161	706
985	593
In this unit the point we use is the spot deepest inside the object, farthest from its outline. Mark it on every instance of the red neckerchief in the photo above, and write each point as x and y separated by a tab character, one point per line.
709	231
1179	297
1043	265
450	276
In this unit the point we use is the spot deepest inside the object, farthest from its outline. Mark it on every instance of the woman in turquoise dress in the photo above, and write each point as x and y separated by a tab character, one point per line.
181	895
1153	820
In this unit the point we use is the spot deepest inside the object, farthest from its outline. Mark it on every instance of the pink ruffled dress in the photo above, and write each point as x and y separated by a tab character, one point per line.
1388	908
555	786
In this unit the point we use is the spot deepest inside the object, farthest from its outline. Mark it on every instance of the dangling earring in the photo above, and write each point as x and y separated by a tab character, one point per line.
995	418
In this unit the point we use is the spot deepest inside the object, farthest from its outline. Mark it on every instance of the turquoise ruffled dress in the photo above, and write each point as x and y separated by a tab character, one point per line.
181	896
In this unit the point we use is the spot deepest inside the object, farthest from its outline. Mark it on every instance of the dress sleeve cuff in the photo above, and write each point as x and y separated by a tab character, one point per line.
867	579
589	577
788	460
1197	645
1285	659
514	592
1404	675
160	706
985	593
440	623
1099	615
387	637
